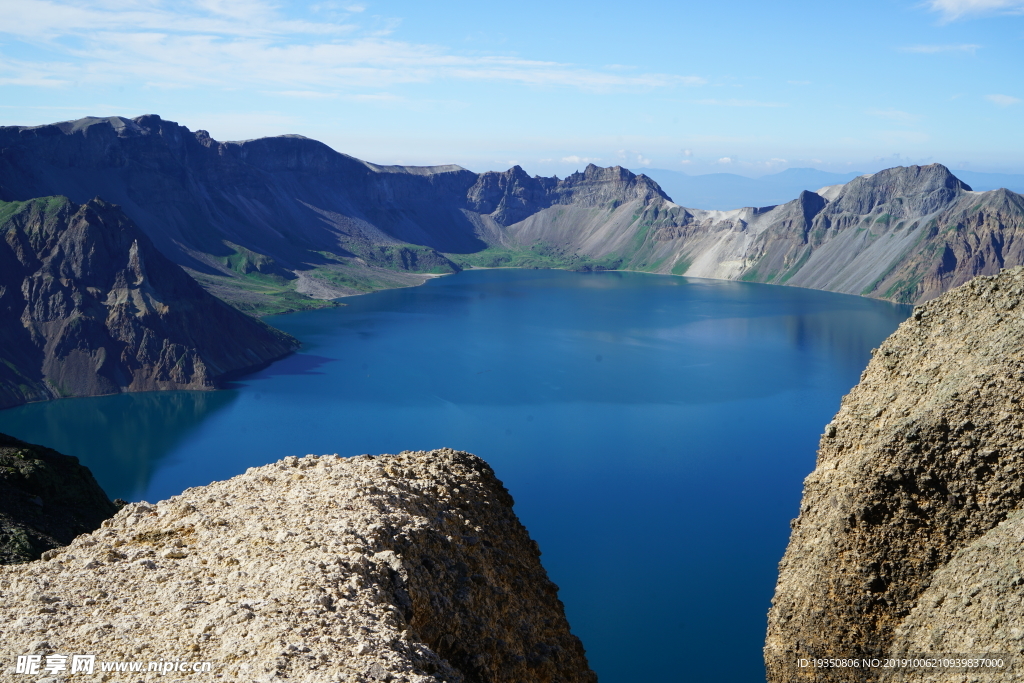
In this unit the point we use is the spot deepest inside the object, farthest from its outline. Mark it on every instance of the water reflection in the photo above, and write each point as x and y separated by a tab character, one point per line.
298	364
122	438
505	338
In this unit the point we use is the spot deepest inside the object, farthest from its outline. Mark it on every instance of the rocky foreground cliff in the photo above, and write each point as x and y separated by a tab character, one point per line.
88	307
410	568
909	536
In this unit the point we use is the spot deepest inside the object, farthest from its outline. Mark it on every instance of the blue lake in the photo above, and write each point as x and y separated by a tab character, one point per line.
654	431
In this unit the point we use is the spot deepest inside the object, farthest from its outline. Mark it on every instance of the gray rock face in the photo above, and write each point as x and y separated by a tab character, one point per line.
908	192
88	307
908	534
905	234
46	500
407	568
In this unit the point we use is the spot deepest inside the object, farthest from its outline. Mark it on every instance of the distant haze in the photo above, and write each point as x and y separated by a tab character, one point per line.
726	191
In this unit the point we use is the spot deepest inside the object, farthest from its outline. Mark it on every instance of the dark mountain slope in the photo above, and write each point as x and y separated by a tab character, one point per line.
251	213
262	222
46	500
88	306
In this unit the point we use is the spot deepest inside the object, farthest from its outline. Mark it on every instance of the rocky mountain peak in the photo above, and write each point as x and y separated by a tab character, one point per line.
919	189
597	186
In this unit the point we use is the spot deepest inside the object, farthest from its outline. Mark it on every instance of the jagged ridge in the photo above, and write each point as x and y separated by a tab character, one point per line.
268	223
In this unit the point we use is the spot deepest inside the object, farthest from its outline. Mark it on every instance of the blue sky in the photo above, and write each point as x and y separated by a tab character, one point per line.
735	85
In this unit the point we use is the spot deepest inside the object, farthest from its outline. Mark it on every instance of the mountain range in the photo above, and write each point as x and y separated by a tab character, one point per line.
110	222
724	191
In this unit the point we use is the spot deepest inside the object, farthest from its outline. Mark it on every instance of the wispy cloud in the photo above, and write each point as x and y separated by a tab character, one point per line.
893	115
969	48
740	103
1002	100
238	43
304	94
579	160
631	157
951	10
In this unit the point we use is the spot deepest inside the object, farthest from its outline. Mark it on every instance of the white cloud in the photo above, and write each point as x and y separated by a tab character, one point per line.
936	49
951	10
1002	100
741	103
374	97
725	160
234	43
686	161
687	152
579	160
632	157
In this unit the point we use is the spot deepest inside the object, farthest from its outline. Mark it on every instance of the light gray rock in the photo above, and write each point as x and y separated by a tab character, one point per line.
408	568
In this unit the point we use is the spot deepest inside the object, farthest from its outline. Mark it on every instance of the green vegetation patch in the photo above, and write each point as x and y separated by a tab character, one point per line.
245	262
538	255
796	267
340	277
412	258
47	206
904	291
681	266
881	278
258	295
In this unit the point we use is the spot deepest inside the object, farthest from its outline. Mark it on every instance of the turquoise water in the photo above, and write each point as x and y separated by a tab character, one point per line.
654	431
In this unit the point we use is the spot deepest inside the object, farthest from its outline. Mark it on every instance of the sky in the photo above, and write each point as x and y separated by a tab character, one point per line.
739	86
